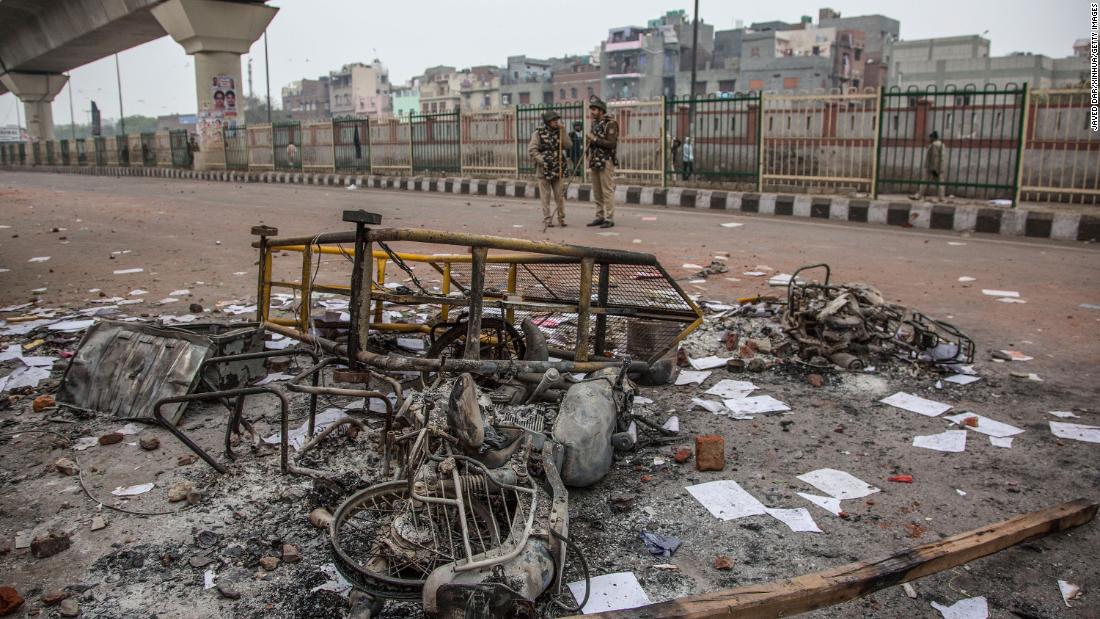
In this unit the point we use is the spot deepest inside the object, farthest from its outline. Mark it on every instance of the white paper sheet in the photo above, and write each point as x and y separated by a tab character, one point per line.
23	377
1000	293
916	404
128	271
410	343
133	490
692	267
39	259
1069	591
208	578
13	351
709	405
672	424
951	441
992	427
619	591
641	399
1076	431
270	378
826	503
85	442
756	405
838	484
962	379
297	437
725	499
71	325
687	377
754	273
179	293
971	608
731	224
966	278
731	389
1001	441
798	520
707	363
1063	414
1016	355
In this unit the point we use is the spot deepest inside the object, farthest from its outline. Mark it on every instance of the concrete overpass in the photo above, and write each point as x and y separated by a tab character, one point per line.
40	40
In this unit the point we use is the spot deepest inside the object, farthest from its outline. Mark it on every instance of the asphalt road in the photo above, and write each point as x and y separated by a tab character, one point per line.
183	232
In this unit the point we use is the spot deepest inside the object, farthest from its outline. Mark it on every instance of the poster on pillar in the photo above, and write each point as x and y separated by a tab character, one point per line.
219	112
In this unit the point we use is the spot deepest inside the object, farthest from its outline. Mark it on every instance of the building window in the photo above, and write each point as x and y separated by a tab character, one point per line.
727	85
548	96
816	51
859	52
700	88
572	93
756	84
561	93
506	98
590	91
524	98
754	52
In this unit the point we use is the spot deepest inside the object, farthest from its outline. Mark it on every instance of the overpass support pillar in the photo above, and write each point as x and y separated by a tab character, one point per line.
216	33
36	91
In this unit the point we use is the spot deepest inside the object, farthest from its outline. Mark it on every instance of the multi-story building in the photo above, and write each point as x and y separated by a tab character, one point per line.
576	79
654	61
306	98
440	90
962	60
480	88
878	33
405	100
527	81
794	59
360	90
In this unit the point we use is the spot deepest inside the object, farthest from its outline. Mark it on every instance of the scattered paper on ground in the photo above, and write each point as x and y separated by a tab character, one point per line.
618	591
1001	441
298	436
687	377
985	425
275	376
707	363
827	503
916	404
971	608
39	259
966	278
128	271
709	405
1075	431
1000	293
798	520
133	490
963	379
1069	591
756	405
728	389
1063	414
952	441
725	499
838	484
672	424
1016	355
732	224
335	583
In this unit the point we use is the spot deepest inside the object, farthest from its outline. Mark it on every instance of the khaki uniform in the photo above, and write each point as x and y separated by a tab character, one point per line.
602	159
933	169
545	149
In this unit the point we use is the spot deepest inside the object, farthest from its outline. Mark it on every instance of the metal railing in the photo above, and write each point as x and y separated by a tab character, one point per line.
1003	143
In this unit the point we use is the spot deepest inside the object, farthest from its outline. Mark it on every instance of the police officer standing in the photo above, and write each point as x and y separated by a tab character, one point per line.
545	148
603	142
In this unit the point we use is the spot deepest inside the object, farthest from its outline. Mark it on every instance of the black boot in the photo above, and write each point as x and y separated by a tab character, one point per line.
608	224
596	222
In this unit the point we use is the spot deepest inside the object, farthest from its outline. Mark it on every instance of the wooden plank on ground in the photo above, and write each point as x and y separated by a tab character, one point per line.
805	593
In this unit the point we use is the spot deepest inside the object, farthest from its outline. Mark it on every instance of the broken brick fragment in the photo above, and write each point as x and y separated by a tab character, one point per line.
722	562
901	479
111	439
816	380
10	600
682	455
710	452
43	402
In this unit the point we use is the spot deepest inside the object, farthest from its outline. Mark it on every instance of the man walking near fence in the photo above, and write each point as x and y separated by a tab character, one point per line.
933	168
603	143
689	158
545	148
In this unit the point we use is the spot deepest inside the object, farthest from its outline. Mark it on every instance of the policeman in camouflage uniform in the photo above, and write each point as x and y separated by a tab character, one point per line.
603	143
545	148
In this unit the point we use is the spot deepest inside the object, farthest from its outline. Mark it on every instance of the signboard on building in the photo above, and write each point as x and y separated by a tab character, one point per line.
11	133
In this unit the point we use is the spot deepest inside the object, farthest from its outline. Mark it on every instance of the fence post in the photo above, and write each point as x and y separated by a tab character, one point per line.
332	123
370	151
759	144
515	138
878	142
274	160
1020	147
458	139
663	144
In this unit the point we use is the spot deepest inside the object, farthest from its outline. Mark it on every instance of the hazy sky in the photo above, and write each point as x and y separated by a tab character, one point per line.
310	37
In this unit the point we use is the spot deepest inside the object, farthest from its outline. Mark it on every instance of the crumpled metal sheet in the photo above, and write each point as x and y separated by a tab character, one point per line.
122	369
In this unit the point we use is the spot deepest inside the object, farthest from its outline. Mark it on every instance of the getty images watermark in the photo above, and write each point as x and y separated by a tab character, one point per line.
1094	67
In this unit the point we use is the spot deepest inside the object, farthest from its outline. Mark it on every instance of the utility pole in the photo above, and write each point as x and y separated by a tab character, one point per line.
267	78
121	115
694	57
72	115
